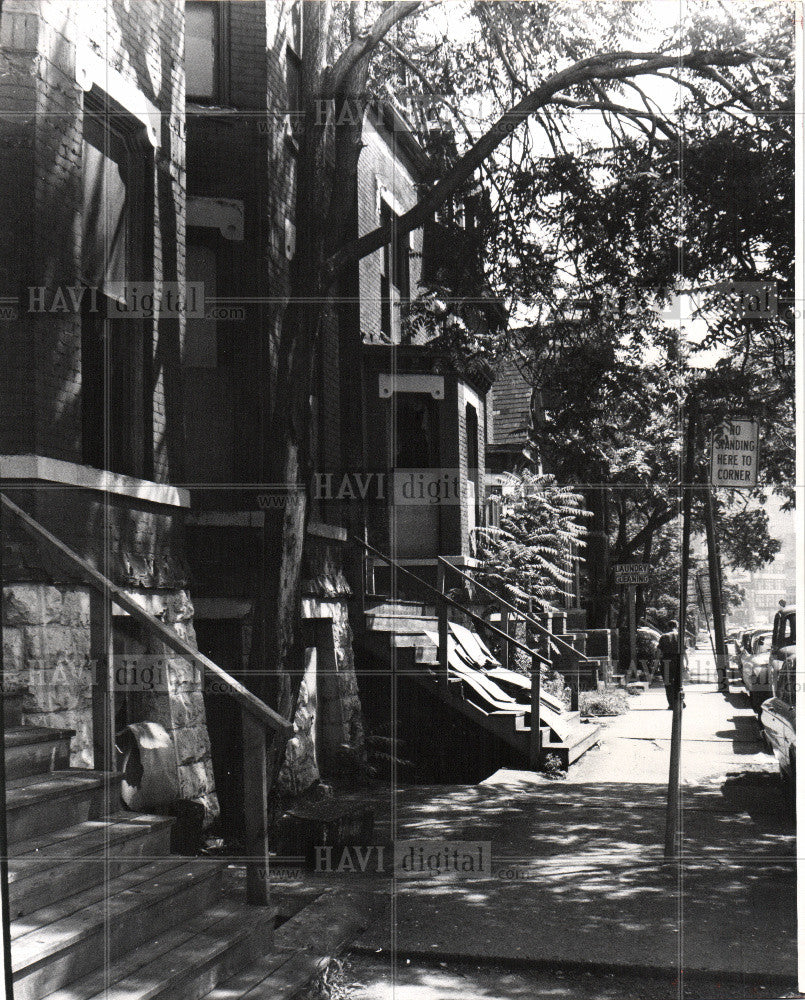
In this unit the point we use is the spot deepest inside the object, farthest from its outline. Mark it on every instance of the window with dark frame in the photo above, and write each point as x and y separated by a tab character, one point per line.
385	276
395	276
473	467
293	72
205	51
116	408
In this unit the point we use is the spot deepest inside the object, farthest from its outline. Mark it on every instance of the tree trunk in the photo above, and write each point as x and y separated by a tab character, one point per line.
326	183
597	558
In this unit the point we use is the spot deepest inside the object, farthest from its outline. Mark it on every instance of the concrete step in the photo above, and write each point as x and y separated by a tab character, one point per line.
403	609
386	623
413	640
49	868
187	961
66	941
36	750
426	654
40	803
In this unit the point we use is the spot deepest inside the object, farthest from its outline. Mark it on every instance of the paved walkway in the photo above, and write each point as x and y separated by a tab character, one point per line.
578	878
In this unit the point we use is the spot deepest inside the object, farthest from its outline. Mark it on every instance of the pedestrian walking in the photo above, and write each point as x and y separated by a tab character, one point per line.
670	661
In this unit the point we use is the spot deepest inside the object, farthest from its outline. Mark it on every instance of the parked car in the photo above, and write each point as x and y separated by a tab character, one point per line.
778	716
734	668
783	639
744	643
755	669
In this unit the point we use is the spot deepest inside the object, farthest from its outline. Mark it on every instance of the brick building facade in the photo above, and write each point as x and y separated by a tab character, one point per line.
91	434
150	150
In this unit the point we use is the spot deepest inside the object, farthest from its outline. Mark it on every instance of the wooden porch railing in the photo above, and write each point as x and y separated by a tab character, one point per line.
572	658
257	717
443	601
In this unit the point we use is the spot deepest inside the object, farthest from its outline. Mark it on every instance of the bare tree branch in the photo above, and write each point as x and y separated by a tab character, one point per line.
604	66
366	41
619	109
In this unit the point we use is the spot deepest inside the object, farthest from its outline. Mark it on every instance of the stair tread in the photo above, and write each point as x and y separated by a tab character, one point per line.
77	841
302	946
54	928
151	968
31	788
20	736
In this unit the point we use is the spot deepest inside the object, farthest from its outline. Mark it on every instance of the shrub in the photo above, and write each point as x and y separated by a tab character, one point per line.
612	701
552	768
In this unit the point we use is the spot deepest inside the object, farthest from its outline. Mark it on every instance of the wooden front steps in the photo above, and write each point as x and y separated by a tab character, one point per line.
100	909
401	632
98	905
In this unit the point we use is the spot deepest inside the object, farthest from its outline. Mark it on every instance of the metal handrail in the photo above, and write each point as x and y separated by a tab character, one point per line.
559	644
449	600
248	701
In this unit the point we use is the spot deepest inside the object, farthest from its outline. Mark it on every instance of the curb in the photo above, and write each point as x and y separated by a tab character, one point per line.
772	981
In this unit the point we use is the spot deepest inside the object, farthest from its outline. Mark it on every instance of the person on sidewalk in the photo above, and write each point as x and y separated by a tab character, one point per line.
670	662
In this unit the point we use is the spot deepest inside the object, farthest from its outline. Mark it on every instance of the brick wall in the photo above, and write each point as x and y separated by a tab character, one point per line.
382	163
46	49
243	152
41	116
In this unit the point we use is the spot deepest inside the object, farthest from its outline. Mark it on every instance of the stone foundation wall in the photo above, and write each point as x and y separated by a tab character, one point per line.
172	695
328	722
46	654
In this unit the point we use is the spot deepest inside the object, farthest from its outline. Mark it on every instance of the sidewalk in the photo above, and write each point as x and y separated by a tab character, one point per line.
578	876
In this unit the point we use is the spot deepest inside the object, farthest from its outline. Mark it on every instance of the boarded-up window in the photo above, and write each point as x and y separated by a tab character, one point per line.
116	391
106	235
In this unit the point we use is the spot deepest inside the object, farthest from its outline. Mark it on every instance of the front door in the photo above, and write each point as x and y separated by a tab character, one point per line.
414	515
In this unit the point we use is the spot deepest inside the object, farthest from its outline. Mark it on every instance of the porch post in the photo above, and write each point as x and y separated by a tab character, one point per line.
103	681
442	613
255	799
5	929
504	627
535	743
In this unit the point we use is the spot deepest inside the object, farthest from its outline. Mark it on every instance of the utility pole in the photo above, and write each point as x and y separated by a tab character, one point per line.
716	597
686	486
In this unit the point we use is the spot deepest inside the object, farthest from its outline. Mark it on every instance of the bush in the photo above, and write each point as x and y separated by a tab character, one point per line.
552	768
612	701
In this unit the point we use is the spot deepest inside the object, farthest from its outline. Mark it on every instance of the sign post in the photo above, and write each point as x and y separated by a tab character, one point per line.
632	576
734	459
672	807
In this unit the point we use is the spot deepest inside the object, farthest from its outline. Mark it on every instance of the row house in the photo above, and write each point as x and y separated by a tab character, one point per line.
146	167
148	163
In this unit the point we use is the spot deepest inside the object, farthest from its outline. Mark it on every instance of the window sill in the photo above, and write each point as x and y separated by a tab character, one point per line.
54	471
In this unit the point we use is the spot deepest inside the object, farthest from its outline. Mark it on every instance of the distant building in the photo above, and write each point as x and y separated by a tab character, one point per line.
765	588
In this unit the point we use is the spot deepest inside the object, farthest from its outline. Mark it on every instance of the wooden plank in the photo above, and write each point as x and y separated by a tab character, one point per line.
167	943
101	651
253	705
255	802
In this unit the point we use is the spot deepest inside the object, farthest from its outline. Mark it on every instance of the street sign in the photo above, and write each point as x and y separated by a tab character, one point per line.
734	454
632	574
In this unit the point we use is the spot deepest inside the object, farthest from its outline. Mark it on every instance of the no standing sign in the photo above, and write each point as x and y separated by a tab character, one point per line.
734	454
